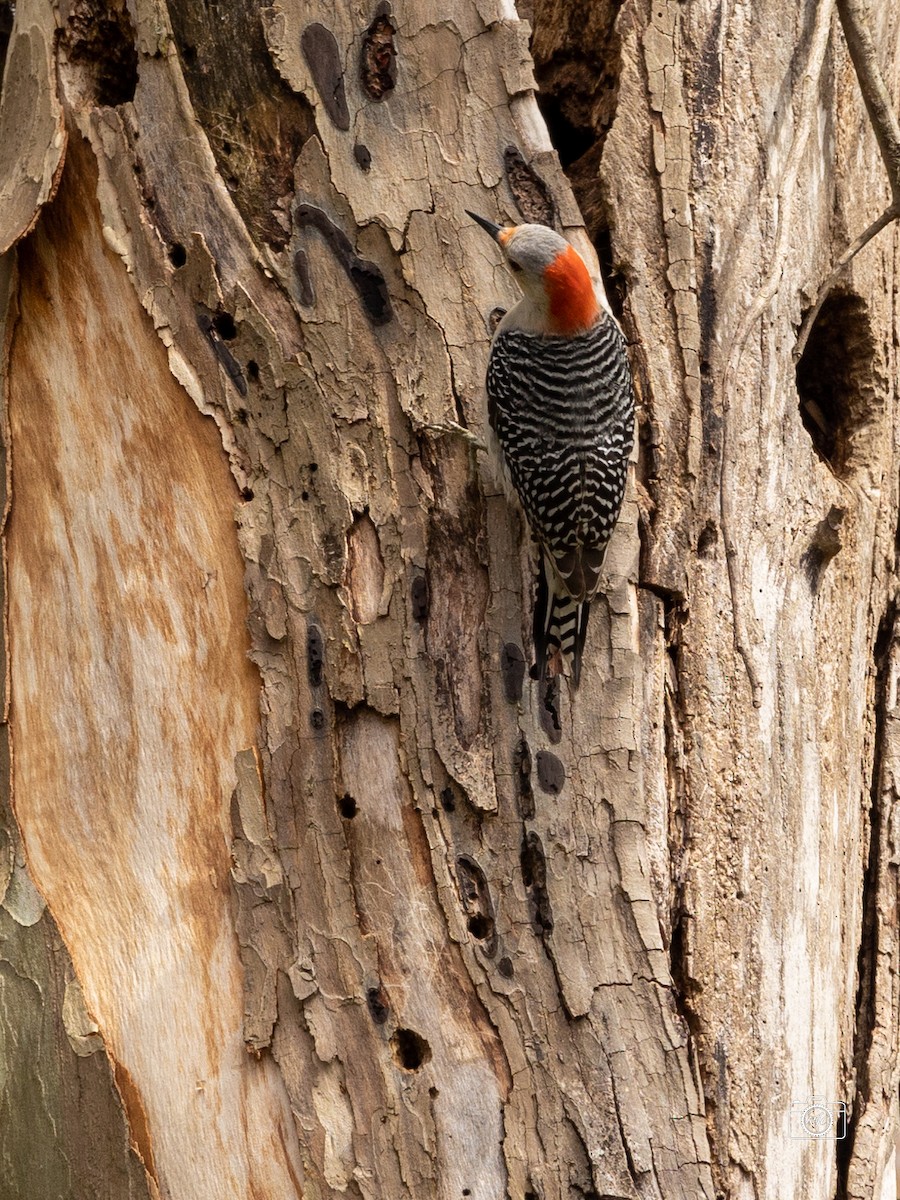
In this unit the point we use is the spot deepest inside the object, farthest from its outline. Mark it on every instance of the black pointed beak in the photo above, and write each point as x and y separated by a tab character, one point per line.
488	226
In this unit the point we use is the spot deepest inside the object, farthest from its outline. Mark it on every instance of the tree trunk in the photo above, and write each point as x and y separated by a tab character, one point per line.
309	888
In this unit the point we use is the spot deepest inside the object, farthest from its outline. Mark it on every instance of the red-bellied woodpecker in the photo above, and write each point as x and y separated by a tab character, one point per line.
561	405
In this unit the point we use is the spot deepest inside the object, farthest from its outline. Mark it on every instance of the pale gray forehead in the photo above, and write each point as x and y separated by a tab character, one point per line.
534	247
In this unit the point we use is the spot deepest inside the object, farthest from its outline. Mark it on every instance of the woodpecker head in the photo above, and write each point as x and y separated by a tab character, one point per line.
550	272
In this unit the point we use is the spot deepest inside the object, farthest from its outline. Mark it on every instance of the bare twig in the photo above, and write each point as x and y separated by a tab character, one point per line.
853	14
877	98
890	214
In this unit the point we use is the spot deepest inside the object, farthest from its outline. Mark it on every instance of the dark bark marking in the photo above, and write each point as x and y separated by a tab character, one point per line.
307	294
365	276
512	668
320	49
534	875
522	760
548	711
315	654
419	598
363	156
550	772
379	1008
371	288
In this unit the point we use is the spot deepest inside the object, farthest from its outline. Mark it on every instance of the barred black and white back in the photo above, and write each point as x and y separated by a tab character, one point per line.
562	409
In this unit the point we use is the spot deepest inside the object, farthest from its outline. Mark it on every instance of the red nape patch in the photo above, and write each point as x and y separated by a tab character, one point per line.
573	305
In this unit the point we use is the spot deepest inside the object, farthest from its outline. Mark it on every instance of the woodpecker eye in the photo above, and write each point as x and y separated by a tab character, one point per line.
514	266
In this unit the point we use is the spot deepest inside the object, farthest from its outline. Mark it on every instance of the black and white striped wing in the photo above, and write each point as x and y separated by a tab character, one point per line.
562	409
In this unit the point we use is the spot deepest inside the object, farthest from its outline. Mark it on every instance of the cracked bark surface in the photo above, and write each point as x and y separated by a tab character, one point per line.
352	909
760	162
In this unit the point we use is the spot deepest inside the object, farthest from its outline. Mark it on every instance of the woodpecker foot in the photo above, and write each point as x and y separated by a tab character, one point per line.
450	428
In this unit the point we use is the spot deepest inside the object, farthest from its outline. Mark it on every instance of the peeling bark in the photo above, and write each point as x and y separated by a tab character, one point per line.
32	139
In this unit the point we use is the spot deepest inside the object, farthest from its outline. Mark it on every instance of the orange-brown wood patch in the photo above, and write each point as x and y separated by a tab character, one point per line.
131	695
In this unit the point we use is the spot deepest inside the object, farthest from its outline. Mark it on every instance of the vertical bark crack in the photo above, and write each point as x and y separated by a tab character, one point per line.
875	1064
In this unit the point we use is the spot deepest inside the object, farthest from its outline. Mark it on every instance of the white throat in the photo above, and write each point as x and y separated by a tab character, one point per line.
527	316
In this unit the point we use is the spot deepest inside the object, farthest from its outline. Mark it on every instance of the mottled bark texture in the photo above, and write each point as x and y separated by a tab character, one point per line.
350	905
739	166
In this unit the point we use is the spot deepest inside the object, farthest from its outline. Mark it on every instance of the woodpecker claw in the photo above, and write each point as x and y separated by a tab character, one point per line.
445	428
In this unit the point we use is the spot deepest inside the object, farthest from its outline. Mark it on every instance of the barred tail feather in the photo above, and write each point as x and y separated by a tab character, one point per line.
559	622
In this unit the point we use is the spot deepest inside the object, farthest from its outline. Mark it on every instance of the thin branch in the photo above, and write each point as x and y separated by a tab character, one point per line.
890	214
877	98
874	90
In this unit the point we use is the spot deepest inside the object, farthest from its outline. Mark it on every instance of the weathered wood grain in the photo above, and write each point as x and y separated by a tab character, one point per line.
131	695
32	130
762	163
